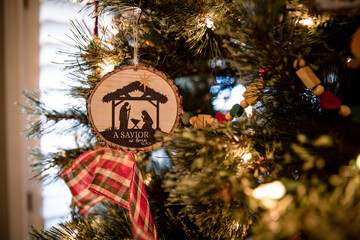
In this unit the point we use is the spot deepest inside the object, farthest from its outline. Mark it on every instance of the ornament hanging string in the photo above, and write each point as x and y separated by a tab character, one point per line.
135	21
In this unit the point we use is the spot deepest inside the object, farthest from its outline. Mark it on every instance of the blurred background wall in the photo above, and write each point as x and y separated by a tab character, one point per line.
18	71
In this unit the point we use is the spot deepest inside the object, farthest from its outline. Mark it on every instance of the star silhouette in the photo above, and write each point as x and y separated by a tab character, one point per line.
144	81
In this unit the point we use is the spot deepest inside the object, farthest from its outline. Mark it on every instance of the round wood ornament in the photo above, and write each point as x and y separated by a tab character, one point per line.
128	105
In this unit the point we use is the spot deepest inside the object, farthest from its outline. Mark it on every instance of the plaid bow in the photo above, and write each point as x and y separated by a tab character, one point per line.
108	173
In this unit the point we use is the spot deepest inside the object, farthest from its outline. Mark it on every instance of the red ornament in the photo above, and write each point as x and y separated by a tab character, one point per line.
262	70
329	101
220	117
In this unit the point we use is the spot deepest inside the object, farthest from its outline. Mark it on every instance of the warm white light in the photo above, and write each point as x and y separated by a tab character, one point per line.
349	59
236	226
307	22
248	111
209	23
246	157
274	190
358	161
147	180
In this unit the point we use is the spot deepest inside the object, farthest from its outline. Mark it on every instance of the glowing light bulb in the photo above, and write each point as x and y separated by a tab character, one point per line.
307	22
274	190
236	226
209	23
147	180
358	161
246	157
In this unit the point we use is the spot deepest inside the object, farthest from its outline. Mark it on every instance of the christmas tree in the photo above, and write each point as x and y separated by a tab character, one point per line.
290	169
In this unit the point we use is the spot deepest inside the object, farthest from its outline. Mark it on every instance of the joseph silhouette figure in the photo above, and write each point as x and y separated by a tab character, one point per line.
124	116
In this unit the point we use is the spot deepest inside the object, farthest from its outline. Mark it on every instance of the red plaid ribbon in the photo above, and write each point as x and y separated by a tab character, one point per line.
108	173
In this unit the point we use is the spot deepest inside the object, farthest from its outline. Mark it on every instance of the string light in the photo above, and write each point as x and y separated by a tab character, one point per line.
274	190
147	180
246	157
358	161
209	23
307	22
236	226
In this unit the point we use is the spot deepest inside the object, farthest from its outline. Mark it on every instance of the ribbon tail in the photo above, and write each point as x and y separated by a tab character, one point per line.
140	215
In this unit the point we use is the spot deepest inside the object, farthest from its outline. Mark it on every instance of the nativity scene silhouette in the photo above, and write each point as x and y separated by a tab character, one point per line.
135	136
124	116
148	122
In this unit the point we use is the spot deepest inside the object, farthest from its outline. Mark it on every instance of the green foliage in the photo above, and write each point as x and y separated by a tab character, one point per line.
56	162
208	192
94	52
210	180
317	206
110	221
44	120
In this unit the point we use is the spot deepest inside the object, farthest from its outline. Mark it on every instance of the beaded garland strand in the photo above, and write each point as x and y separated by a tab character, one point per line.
251	95
312	82
327	100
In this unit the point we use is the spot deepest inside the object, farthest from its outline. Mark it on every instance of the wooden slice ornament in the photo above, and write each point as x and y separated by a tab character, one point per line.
128	105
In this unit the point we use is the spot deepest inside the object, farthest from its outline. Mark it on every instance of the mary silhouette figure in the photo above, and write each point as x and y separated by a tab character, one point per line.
148	122
124	116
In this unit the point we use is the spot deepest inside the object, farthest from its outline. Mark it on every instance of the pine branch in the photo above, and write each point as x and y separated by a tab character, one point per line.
208	193
48	120
207	182
109	221
46	167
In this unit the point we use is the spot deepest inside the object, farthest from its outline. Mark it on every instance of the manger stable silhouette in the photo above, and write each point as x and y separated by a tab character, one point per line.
123	94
